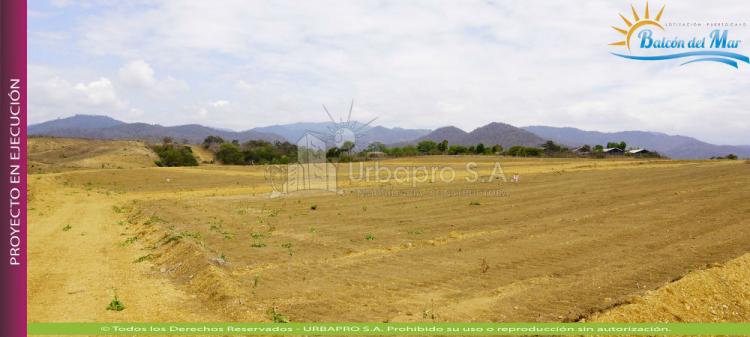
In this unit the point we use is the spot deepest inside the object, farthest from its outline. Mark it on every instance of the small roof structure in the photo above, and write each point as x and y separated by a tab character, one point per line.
613	150
638	151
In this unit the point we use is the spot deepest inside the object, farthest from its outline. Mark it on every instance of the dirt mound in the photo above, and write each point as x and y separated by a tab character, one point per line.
47	154
717	294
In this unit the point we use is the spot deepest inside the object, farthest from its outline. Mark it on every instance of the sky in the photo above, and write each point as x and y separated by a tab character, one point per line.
413	64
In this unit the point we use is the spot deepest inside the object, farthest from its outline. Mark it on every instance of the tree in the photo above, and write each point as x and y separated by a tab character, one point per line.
426	146
457	149
347	146
211	141
480	148
585	148
620	145
376	147
174	155
497	149
731	156
551	147
333	152
443	146
522	151
598	148
230	154
410	150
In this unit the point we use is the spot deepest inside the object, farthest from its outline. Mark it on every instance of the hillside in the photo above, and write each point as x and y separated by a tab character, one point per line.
678	147
101	127
47	154
293	132
490	134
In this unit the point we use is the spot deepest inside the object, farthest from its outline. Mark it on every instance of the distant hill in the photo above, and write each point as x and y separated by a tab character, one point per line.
76	122
490	134
677	147
102	127
293	132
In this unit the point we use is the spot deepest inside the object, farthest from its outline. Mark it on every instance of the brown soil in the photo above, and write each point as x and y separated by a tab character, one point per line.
717	294
574	237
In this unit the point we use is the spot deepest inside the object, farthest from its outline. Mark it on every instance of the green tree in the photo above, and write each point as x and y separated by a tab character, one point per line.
376	147
426	146
551	147
230	154
457	149
174	155
443	146
410	150
480	149
497	149
212	141
347	146
598	148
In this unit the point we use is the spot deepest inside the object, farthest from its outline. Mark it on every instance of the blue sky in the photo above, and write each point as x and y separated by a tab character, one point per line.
420	64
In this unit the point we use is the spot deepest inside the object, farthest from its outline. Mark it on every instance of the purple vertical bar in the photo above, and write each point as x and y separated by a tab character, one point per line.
13	140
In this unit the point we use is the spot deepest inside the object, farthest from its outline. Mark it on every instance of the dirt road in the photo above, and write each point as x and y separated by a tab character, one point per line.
72	273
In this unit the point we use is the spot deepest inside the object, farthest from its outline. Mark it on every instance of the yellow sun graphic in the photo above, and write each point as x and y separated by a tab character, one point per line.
638	22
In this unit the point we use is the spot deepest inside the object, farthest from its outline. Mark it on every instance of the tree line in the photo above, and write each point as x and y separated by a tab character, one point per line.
263	152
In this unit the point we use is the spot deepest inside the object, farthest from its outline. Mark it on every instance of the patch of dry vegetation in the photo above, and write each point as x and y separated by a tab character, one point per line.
49	154
717	294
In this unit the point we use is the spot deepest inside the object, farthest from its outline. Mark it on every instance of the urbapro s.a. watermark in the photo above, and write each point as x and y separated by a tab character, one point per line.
314	171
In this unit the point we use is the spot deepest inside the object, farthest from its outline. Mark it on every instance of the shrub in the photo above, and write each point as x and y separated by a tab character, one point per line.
276	316
230	154
174	155
523	151
116	304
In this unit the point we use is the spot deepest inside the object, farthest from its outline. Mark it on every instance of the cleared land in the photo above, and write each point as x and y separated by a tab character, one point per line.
573	237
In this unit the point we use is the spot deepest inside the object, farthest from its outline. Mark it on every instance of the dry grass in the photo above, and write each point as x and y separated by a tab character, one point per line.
575	236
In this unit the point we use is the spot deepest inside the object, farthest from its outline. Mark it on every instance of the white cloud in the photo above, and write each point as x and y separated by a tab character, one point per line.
413	64
137	73
54	96
141	75
219	103
99	92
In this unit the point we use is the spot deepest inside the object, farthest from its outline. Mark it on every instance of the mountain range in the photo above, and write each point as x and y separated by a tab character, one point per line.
677	147
490	134
103	127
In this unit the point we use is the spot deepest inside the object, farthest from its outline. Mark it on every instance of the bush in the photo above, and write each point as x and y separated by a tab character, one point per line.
174	155
457	149
522	151
230	154
256	152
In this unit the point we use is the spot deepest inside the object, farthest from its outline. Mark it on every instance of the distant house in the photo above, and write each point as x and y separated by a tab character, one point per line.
613	151
639	152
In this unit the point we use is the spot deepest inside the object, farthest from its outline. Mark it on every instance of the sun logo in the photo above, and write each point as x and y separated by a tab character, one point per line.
343	133
637	23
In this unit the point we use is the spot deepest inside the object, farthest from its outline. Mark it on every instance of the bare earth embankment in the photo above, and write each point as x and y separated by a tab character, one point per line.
572	238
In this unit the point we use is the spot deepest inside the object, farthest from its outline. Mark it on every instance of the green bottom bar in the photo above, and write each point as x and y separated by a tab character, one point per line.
371	329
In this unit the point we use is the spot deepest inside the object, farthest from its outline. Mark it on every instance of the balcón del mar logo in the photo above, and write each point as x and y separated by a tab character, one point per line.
647	39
